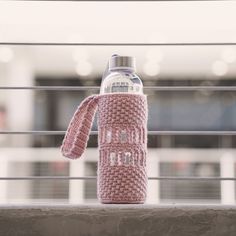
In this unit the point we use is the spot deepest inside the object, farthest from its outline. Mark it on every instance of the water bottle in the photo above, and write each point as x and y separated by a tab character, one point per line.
122	134
120	76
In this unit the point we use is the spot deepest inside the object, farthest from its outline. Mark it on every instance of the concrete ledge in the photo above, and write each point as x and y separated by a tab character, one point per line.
124	220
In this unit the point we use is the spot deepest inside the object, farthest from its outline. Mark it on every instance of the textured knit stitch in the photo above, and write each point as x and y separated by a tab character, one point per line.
122	138
77	134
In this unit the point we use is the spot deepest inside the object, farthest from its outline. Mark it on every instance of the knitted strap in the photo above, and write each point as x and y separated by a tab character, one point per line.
77	134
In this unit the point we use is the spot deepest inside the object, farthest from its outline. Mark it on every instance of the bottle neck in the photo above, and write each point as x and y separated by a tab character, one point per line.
122	69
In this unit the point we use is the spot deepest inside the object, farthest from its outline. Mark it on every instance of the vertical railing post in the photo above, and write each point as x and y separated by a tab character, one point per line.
227	170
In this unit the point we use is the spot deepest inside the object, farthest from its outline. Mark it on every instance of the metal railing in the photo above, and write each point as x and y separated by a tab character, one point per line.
170	178
146	88
153	88
117	44
123	0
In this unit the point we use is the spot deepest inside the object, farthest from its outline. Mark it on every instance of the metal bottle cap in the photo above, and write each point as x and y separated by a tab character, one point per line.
122	62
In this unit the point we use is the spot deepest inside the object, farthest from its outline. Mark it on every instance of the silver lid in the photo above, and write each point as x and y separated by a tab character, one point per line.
122	62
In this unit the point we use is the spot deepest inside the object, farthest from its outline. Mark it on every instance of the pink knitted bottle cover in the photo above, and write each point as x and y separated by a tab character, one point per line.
122	134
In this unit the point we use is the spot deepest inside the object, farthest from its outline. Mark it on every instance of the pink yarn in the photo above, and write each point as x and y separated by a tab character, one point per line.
77	134
122	135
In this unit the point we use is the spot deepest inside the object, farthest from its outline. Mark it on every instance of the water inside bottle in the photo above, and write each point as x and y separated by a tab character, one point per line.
120	82
123	136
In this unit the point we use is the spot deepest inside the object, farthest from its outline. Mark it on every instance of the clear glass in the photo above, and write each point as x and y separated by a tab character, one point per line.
122	81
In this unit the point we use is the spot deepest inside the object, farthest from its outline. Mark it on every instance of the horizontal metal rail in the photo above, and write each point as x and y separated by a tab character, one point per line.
154	88
94	178
117	44
122	0
149	132
51	88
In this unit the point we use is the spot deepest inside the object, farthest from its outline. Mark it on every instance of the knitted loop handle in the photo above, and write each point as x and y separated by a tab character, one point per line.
77	134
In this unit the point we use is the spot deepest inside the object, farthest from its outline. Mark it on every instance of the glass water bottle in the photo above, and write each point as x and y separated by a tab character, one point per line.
121	76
